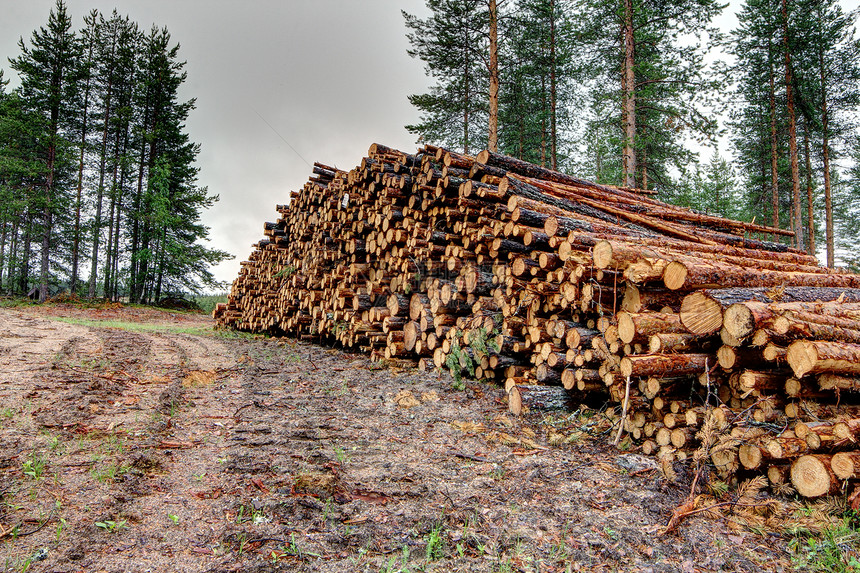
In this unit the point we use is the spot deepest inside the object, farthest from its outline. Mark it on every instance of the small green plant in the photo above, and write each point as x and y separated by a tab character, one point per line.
35	466
340	454
7	413
435	546
295	549
109	472
174	518
498	472
61	525
829	552
454	361
54	444
112	526
114	443
610	533
285	272
327	510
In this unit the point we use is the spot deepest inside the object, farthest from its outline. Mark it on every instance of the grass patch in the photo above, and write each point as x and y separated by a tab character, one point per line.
835	549
131	326
15	302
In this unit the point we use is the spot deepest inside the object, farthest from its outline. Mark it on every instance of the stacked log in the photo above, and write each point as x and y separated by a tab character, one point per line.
562	289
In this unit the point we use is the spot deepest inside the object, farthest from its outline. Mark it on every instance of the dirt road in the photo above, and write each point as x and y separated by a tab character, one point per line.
156	444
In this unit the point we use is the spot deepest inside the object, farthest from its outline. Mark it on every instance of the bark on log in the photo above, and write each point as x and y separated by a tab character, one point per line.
524	398
817	356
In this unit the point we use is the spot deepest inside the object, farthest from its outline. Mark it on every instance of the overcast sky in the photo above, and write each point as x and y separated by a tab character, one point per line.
329	76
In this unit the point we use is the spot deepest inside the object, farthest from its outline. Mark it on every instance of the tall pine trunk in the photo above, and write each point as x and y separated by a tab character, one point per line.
493	138
797	216
553	92
76	241
629	96
825	154
774	154
13	254
810	201
26	253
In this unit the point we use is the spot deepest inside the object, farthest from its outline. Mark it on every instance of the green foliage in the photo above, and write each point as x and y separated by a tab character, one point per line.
207	302
285	272
453	363
481	342
673	91
539	81
34	466
834	550
453	44
435	544
112	526
96	169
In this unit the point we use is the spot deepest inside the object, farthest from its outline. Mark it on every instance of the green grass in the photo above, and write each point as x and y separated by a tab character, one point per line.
15	302
131	326
835	549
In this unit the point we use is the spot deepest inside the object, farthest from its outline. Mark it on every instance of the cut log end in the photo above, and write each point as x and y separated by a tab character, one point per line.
801	356
602	254
739	321
701	314
812	477
675	275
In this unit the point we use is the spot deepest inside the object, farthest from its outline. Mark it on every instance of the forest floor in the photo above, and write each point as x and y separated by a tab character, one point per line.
142	440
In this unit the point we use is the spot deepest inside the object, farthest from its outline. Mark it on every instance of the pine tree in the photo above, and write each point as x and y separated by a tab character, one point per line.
758	120
83	76
641	59
797	62
539	79
453	43
45	69
831	91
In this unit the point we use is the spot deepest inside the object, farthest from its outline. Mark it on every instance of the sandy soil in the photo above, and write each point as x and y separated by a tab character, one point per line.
164	446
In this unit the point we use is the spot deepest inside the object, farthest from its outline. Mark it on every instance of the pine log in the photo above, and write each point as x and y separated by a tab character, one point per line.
674	342
812	476
846	465
664	364
526	398
818	356
640	326
696	273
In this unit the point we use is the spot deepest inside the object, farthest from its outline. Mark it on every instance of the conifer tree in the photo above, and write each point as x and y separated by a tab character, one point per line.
646	57
45	68
539	81
453	43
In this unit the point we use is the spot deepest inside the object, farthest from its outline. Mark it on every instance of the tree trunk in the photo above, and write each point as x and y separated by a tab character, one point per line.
493	139
629	96
825	153
792	133
553	95
97	220
774	164
810	203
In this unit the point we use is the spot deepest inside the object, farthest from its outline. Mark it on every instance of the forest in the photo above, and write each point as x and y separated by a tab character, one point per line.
98	183
641	93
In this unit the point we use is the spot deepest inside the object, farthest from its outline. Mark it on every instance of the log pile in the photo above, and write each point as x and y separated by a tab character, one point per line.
707	339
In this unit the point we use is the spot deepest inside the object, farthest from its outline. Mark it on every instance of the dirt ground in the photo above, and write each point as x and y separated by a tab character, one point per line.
165	446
